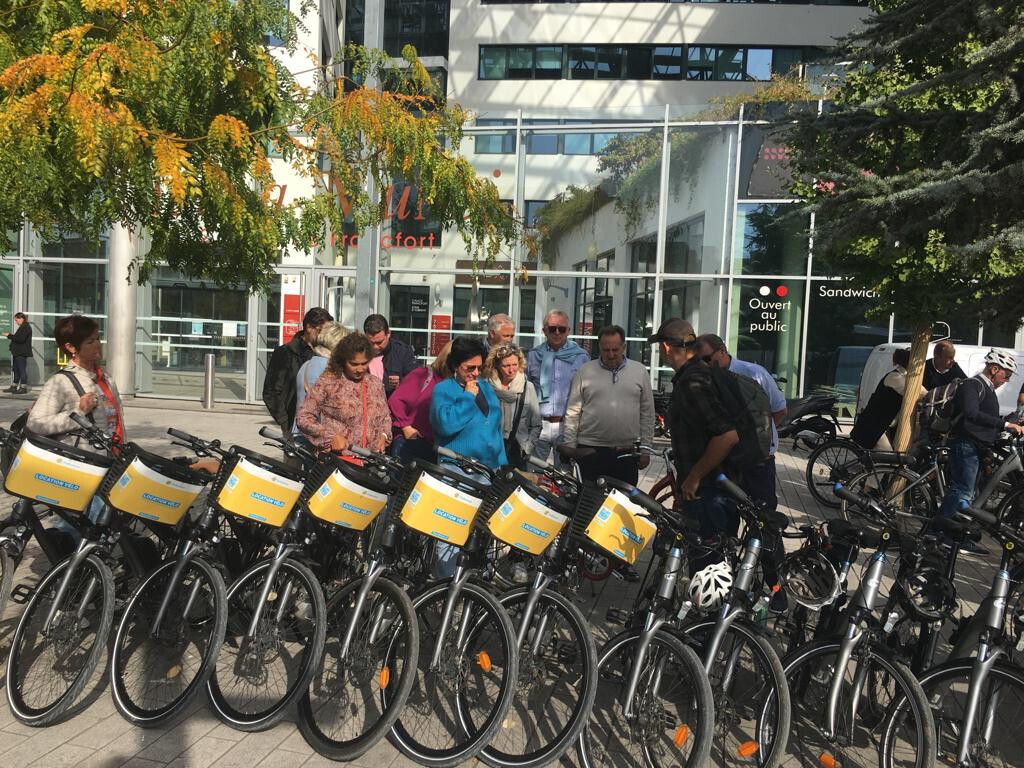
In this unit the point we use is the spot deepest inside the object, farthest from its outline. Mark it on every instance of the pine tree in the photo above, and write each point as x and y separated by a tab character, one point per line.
916	168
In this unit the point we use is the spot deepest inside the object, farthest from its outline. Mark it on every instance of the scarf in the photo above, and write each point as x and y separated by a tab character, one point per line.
566	354
515	387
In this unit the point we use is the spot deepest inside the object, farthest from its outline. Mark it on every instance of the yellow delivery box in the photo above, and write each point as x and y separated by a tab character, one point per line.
526	523
55	474
145	492
344	502
439	510
621	528
259	494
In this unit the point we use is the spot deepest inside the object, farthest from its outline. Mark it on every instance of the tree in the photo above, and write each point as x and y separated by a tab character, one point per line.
915	171
161	115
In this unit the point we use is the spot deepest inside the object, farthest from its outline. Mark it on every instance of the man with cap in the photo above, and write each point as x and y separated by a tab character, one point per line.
703	433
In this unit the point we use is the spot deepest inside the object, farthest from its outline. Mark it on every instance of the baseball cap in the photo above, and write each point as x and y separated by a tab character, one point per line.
674	331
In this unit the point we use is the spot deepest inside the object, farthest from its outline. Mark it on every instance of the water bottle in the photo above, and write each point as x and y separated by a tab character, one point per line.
761	611
105	413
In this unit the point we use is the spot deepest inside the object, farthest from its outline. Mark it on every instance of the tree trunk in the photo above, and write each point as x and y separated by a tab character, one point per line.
915	375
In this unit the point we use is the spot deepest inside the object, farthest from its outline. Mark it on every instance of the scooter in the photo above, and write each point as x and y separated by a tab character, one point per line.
810	421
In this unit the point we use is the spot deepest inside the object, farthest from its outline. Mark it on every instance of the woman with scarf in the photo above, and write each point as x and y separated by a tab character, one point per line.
346	405
410	410
505	369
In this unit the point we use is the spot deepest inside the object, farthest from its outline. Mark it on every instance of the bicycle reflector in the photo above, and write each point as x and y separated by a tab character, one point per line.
681	735
483	660
825	760
385	677
747	749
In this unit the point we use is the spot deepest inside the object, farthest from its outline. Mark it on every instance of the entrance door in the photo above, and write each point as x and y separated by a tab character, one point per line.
336	292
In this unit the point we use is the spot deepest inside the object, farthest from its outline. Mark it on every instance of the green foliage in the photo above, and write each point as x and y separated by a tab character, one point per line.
159	113
919	165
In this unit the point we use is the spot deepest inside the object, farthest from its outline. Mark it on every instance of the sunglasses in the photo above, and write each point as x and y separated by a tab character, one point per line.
557	329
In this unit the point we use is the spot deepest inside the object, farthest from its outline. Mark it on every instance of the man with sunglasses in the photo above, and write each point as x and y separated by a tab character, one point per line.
703	433
550	367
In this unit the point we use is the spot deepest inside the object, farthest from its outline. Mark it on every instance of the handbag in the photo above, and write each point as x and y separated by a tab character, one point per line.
513	450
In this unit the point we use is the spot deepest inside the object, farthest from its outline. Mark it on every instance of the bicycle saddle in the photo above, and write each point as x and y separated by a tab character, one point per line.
844	529
892	457
958	530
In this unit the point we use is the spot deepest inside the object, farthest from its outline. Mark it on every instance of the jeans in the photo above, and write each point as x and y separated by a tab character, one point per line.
95	508
417	448
606	461
964	461
20	369
760	484
715	510
446	556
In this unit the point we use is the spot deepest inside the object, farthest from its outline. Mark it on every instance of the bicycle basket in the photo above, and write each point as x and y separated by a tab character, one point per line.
442	505
809	578
56	474
149	486
255	487
345	495
613	523
527	517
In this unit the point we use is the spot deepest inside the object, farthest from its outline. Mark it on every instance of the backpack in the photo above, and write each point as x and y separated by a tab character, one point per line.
748	405
937	411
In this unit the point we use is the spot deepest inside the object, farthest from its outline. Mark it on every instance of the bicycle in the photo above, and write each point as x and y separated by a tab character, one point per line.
977	703
468	665
557	656
654	704
844	689
277	620
64	628
752	702
831	462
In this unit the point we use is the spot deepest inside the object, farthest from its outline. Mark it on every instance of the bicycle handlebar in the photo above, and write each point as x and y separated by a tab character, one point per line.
635	495
753	510
465	461
732	489
197	444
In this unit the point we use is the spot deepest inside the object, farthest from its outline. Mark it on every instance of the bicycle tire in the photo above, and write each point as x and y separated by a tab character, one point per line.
633	747
821	475
191	638
7	566
767	726
489	648
573	659
313	706
26	650
306	624
948	728
809	686
895	479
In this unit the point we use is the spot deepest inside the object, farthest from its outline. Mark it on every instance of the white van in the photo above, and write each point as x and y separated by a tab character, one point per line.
971	359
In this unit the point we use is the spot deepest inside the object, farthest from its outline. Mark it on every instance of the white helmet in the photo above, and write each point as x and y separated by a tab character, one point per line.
1002	358
710	586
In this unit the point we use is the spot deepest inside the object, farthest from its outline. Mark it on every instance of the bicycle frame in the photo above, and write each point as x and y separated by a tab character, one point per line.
1012	463
730	610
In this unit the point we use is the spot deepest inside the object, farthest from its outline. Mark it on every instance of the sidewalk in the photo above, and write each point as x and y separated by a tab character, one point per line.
97	737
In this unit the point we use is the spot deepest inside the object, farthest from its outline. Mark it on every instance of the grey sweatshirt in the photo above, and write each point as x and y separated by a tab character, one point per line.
610	408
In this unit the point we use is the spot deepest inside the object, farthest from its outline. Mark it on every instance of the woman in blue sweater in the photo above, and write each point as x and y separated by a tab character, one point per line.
464	411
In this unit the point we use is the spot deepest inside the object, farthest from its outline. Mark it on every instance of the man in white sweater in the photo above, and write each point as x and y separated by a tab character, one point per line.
610	407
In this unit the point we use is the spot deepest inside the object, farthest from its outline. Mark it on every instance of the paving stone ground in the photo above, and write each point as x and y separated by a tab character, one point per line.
97	737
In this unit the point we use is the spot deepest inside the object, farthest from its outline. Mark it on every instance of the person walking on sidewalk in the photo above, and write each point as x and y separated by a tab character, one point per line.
550	367
610	407
21	351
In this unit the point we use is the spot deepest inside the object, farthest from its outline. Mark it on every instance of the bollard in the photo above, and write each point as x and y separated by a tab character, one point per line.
208	382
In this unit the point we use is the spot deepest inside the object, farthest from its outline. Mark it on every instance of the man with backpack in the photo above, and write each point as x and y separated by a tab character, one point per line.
704	432
976	427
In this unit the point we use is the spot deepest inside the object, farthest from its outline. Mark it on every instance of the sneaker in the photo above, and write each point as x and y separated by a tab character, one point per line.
12	389
973	547
519	573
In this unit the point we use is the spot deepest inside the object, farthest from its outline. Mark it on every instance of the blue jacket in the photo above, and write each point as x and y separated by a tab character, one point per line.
461	426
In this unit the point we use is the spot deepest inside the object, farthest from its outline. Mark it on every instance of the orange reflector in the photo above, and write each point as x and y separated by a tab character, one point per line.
682	734
385	677
827	761
483	661
776	588
747	748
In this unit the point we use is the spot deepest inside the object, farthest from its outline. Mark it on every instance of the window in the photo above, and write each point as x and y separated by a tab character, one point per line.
609	62
638	62
493	63
503	143
411	216
542	143
530	214
593	302
729	64
668	62
759	64
548	62
520	63
582	62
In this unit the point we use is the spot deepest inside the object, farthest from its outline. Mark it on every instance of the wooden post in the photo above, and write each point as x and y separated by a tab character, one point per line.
915	375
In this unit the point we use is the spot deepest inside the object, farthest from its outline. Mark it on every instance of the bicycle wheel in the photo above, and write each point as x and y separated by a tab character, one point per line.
47	670
154	677
997	740
866	716
557	683
914	504
752	705
343	712
257	677
833	461
455	708
672	720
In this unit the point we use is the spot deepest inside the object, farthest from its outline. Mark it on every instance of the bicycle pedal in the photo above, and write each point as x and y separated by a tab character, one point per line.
616	616
22	593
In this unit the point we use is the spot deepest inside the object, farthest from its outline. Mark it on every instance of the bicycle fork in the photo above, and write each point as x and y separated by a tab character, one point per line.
454	589
282	554
373	572
85	547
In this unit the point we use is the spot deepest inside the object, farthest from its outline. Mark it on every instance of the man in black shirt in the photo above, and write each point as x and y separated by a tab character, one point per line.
978	427
703	434
942	369
285	361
